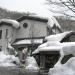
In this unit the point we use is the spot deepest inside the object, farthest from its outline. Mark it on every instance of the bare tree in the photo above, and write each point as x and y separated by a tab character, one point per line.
66	7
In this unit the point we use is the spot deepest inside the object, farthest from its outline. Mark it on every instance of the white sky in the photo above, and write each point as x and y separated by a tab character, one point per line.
33	6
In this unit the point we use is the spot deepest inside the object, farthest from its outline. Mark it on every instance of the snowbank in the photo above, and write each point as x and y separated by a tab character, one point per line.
8	60
31	64
14	23
67	69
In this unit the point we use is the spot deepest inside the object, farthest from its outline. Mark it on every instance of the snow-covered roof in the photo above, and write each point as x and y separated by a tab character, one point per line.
56	47
22	42
57	37
52	21
14	23
35	51
50	48
28	41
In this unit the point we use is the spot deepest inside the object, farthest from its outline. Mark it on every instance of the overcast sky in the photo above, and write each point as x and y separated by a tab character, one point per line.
33	6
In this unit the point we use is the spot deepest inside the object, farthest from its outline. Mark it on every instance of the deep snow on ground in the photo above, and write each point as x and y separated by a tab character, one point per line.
31	64
8	60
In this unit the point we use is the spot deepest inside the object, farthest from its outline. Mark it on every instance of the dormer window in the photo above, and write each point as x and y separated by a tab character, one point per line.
25	25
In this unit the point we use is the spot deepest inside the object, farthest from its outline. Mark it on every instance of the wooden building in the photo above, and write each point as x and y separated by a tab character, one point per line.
26	32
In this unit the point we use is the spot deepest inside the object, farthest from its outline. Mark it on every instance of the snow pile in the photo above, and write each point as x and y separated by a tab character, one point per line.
14	23
57	37
31	64
8	60
67	69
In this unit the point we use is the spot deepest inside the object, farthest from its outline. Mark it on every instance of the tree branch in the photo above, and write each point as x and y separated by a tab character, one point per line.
64	5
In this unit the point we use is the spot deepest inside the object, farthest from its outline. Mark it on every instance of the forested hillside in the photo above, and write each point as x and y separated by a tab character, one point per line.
4	13
66	24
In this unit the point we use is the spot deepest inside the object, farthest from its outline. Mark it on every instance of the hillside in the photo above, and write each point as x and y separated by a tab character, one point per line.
10	14
66	24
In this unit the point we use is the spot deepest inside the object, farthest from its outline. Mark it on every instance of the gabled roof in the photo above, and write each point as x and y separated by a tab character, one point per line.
32	18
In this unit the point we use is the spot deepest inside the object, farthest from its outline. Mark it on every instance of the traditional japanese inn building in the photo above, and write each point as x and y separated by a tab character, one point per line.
26	32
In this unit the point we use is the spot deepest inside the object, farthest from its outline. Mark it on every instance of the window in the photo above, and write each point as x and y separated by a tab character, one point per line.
25	25
0	34
6	33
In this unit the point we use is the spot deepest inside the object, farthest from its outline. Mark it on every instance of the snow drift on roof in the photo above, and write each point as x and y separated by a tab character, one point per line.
28	41
14	23
22	42
57	37
56	46
49	46
52	21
